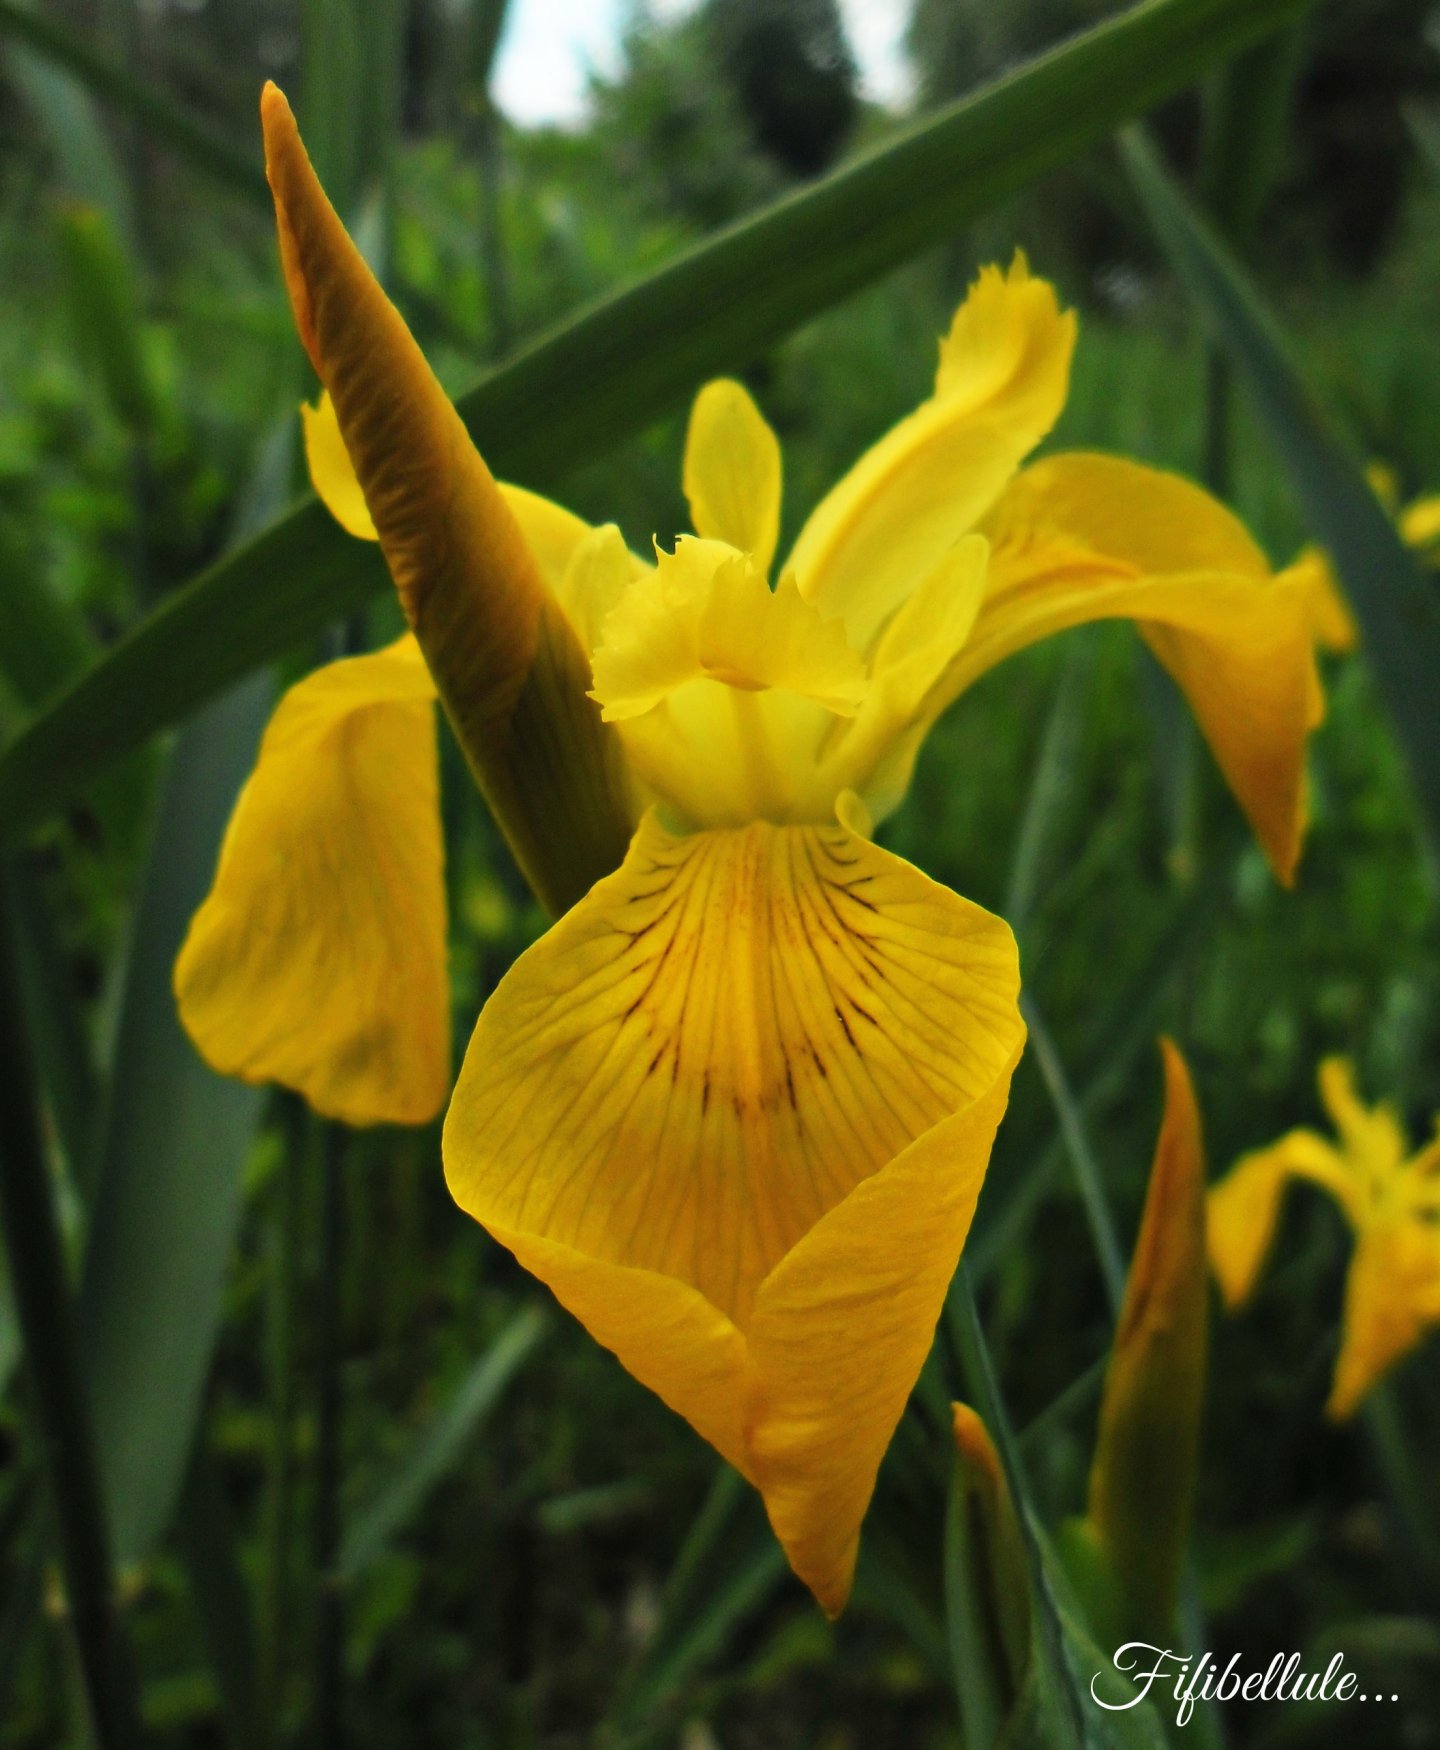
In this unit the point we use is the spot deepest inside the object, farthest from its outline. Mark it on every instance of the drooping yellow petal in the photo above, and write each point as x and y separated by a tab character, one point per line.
509	669
1392	1296
318	959
1004	369
1142	1481
732	472
1242	1208
759	1069
1330	618
1085	537
706	613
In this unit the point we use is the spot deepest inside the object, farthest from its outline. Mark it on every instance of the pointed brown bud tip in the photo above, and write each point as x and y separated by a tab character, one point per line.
285	160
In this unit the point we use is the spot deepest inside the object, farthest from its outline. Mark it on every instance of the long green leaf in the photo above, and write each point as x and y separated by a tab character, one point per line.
175	1134
633	356
171	1160
1397	605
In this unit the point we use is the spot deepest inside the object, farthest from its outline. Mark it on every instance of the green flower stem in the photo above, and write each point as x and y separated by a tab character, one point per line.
329	1596
46	1314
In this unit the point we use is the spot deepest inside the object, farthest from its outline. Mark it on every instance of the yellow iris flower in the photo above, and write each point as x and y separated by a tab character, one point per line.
1390	1197
736	1106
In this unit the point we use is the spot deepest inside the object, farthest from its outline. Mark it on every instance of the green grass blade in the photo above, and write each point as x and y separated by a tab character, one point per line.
442	1444
67	1433
175	1134
175	1140
1397	605
63	1055
165	119
727	1567
635	355
84	153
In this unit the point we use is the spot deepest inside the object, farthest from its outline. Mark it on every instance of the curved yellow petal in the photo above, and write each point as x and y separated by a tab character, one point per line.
761	1067
332	473
1085	537
1242	1208
840	1331
873	755
1392	1296
1331	621
318	958
1004	369
732	472
706	613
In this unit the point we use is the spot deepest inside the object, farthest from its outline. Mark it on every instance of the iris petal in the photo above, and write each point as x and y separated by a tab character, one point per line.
318	958
1084	537
764	1067
732	472
1004	370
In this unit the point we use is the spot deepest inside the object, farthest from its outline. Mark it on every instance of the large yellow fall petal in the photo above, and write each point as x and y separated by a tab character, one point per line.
840	1331
761	1067
509	668
1004	369
1085	537
318	959
1242	1208
732	472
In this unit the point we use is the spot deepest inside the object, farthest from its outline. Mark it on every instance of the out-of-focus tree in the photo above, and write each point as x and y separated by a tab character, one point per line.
1348	157
721	108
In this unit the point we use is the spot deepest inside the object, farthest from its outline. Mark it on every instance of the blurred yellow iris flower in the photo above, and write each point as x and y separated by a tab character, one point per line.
736	1106
1390	1197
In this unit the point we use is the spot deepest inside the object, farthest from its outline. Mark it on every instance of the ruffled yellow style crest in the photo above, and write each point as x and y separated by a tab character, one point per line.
1391	1199
735	1108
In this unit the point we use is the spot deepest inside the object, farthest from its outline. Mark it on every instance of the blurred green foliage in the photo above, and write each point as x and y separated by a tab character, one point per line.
146	358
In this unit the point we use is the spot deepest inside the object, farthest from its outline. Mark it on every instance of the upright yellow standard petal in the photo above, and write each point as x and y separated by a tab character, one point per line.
736	1108
1086	537
318	959
508	666
732	472
1004	369
1142	1481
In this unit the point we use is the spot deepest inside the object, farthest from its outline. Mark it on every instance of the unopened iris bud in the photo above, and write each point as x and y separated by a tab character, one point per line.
987	1583
508	666
1143	1477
